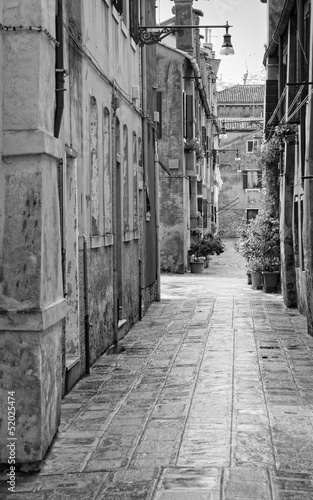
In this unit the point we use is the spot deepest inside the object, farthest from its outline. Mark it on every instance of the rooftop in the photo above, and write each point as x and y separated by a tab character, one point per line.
241	93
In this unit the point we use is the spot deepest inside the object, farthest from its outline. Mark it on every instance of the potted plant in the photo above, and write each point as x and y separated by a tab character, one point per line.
256	273
259	239
203	246
259	243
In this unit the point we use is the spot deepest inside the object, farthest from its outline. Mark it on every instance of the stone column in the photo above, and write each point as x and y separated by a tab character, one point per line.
31	297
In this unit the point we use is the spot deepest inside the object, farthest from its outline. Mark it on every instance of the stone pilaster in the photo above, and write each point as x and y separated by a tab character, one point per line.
31	296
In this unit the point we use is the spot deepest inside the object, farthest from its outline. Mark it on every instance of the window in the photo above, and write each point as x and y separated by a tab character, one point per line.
252	145
135	182
125	179
94	167
133	19
252	179
107	173
118	4
251	213
189	113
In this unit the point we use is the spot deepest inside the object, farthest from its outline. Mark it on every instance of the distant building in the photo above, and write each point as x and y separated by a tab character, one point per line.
240	110
186	76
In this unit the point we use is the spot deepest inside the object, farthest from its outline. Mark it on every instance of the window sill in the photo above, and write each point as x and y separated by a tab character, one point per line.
255	190
133	45
124	29
116	15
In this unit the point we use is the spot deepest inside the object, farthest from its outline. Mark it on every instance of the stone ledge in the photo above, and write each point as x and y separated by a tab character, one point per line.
33	319
33	142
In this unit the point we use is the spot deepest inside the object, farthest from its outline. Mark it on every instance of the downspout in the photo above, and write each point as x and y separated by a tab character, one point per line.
201	89
86	303
59	70
157	214
114	227
281	27
302	79
144	113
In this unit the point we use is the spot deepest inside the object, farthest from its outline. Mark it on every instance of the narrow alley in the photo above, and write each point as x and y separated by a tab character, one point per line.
211	399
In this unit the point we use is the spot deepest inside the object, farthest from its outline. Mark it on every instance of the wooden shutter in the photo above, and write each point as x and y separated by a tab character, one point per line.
189	116
118	4
204	138
134	19
245	180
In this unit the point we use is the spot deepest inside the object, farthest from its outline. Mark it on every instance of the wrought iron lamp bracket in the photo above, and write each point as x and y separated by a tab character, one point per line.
146	37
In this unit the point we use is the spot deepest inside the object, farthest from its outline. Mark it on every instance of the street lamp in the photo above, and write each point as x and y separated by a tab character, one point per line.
227	48
148	35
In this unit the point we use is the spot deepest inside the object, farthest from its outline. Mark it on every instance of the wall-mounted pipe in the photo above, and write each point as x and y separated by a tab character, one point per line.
86	302
59	70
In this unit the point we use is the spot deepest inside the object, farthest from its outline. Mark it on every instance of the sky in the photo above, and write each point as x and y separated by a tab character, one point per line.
249	32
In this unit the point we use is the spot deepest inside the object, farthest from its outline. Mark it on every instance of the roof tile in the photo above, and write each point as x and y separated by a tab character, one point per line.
241	93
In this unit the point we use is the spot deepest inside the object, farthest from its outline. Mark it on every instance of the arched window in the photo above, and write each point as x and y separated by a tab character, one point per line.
94	167
125	179
107	172
135	181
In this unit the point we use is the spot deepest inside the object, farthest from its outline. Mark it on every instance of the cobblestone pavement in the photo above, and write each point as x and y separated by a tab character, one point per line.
212	399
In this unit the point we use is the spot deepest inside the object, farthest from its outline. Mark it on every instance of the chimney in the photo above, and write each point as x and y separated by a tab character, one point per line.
184	15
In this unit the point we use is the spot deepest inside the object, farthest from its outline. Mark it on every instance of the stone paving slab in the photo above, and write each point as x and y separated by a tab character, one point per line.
211	398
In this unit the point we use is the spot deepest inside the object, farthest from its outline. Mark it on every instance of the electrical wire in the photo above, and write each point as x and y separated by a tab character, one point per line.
39	29
71	30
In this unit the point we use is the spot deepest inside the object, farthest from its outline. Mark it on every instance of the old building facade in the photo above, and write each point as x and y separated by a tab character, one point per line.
240	109
78	204
289	112
186	76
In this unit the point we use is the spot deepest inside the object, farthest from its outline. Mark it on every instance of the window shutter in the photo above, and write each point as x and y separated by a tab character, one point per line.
249	146
118	4
184	115
245	180
189	116
159	109
204	138
134	19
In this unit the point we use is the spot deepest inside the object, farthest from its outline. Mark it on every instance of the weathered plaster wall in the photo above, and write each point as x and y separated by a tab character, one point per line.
90	106
31	294
234	200
31	367
173	185
173	224
308	197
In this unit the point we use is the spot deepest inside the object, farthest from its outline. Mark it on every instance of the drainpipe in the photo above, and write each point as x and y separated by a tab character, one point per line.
86	302
144	105
115	105
140	290
59	69
302	79
157	215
